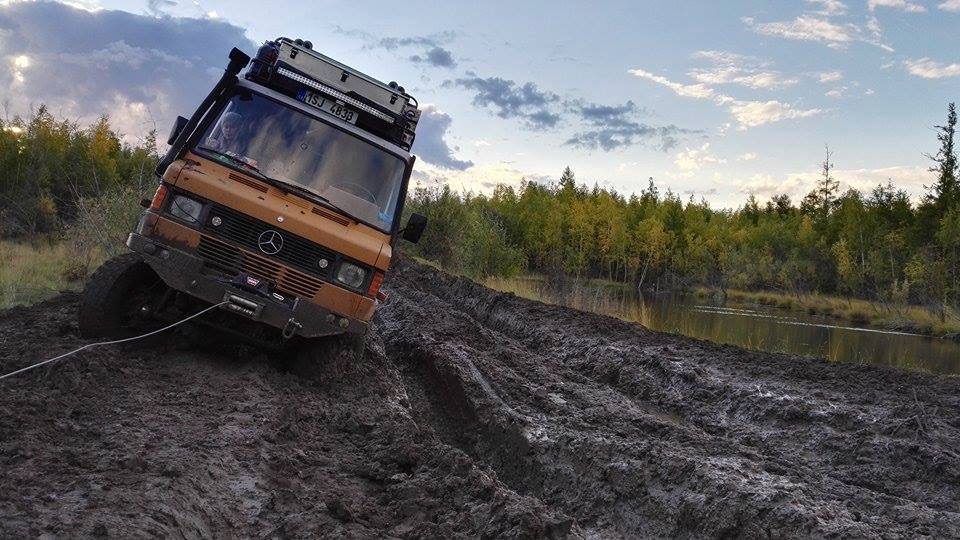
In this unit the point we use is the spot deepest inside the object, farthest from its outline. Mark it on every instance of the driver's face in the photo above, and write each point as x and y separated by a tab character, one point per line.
230	129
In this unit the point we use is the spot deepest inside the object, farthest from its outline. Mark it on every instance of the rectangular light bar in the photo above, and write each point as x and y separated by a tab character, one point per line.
335	93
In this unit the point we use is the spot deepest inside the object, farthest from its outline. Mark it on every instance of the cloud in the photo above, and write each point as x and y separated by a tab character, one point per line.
140	69
950	5
430	144
836	93
829	8
603	127
731	68
436	56
432	53
613	138
158	8
511	100
747	113
909	178
696	91
806	28
902	5
612	127
816	29
829	76
749	156
757	113
694	159
482	178
931	69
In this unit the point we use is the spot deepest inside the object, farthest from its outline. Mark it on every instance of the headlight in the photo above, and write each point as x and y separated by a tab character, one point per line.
185	208
351	275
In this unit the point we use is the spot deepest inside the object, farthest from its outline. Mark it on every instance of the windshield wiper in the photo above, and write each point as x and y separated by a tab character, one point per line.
237	161
276	182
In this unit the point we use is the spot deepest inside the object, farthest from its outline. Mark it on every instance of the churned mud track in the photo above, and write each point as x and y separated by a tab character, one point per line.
470	413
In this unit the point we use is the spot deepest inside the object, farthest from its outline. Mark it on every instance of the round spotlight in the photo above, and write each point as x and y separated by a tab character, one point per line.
216	221
323	263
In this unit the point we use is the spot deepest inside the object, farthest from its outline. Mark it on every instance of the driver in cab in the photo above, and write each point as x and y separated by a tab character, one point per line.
229	140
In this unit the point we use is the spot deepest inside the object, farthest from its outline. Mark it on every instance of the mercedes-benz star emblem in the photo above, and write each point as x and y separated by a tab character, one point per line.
270	242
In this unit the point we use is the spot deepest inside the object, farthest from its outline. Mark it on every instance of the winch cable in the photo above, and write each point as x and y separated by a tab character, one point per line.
114	342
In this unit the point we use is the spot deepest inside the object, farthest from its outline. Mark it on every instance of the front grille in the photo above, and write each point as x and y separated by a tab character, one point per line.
230	260
246	231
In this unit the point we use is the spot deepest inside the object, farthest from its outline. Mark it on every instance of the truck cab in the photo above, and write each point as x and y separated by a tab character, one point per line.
279	198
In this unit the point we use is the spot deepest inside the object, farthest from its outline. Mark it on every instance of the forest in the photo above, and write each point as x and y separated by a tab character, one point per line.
876	246
60	179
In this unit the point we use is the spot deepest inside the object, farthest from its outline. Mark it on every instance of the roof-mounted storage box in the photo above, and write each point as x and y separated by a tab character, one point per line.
292	66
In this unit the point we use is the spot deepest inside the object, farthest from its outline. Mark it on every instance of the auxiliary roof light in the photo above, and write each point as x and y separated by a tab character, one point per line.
335	93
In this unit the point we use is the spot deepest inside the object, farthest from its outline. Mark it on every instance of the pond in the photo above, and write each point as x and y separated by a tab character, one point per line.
761	328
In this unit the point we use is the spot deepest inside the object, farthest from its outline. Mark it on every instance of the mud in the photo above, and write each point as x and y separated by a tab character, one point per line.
470	413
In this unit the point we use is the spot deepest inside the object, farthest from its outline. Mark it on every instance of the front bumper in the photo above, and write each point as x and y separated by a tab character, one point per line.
185	273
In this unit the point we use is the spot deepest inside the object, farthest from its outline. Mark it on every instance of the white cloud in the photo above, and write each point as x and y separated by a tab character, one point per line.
902	5
806	28
694	159
868	92
829	7
950	5
811	28
696	91
747	113
749	156
480	178
829	76
730	75
836	93
480	143
909	178
757	113
931	69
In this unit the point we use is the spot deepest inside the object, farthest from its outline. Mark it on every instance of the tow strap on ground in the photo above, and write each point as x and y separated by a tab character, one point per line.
114	342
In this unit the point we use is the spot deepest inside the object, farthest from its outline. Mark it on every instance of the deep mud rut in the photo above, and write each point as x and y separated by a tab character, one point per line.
471	413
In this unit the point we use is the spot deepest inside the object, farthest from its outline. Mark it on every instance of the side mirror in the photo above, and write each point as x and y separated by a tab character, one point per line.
177	128
414	229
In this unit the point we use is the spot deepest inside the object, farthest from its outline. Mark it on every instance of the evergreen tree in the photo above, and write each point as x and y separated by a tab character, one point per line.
945	192
827	187
568	184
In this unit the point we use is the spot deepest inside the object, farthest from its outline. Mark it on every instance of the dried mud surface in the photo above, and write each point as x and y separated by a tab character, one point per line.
470	413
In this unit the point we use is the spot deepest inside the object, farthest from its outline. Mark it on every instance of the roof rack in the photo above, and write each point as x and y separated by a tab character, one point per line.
293	67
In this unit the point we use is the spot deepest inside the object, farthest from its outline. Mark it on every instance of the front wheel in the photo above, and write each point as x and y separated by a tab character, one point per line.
120	298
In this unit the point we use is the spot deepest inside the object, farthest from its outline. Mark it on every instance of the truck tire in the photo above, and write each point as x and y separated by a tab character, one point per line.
117	299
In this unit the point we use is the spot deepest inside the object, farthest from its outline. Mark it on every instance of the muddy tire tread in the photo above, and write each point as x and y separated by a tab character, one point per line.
98	302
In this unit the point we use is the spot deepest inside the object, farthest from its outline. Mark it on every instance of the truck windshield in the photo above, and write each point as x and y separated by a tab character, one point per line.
286	145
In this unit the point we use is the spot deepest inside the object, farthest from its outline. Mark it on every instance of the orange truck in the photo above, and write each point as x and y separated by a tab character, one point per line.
279	198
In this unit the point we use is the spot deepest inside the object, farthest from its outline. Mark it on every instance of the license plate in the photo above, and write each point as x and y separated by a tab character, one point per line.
329	106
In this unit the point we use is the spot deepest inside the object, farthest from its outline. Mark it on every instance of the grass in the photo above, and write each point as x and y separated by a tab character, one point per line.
595	298
609	298
908	318
37	270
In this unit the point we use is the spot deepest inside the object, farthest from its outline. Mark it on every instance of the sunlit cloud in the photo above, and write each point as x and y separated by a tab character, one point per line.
931	69
829	8
732	68
694	159
812	28
829	76
747	113
902	5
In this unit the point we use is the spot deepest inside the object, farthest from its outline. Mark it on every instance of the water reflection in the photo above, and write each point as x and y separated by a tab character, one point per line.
763	328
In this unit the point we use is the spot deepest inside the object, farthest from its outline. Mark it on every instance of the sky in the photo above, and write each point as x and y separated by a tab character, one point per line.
713	100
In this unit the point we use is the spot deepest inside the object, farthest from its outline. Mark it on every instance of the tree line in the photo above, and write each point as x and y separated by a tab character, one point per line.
875	245
48	166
